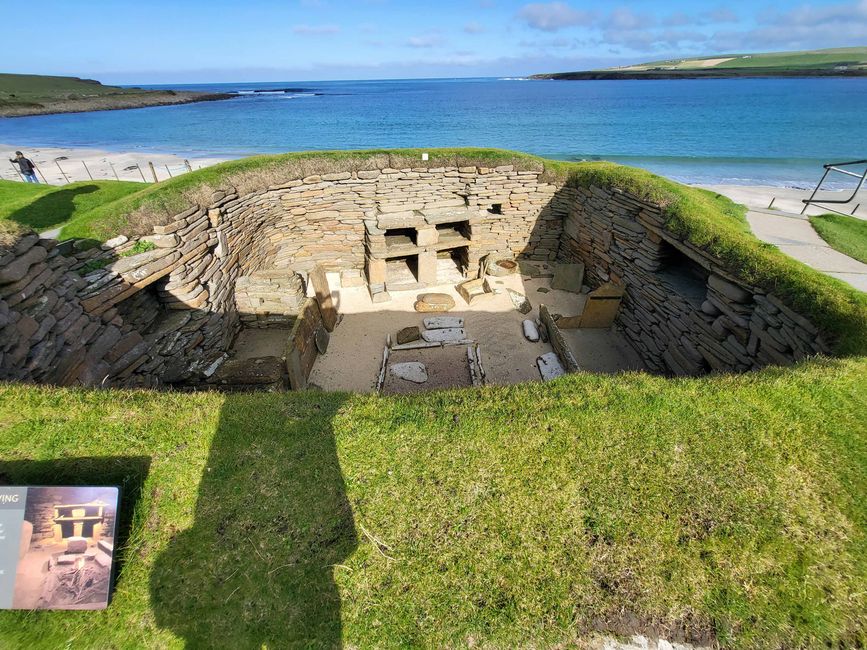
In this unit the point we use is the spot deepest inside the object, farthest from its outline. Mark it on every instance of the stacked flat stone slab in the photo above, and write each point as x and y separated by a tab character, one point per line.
109	317
269	298
683	311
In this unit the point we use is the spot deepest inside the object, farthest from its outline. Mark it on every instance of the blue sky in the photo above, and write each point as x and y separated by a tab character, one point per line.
188	41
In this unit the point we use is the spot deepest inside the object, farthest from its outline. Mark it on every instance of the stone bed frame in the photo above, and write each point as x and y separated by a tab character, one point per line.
169	315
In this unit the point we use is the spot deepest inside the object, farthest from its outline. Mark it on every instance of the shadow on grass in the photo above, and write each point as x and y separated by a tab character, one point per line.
126	472
272	522
51	209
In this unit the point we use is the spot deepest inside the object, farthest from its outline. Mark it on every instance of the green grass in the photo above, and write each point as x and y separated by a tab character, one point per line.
41	207
726	508
27	90
845	234
34	87
729	507
821	59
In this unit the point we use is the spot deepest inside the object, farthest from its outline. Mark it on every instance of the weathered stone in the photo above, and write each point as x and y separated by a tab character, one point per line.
126	264
434	302
501	267
549	366
531	332
76	544
114	242
449	335
18	268
442	322
408	334
602	305
322	338
568	277
410	371
729	290
520	301
249	372
474	290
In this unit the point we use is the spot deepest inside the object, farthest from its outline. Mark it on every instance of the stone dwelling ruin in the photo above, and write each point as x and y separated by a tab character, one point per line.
288	257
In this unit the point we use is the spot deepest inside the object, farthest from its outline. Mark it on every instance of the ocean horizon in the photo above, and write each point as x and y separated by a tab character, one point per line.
709	131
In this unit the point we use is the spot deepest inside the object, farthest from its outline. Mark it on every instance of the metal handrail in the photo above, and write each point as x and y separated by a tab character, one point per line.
834	167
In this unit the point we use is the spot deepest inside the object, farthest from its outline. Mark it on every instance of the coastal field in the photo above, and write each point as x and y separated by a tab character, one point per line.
39	95
842	62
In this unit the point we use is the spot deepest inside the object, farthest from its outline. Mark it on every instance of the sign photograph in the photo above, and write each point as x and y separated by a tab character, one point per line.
57	546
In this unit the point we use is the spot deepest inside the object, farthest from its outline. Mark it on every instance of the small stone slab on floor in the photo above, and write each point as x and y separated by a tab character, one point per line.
408	335
448	335
520	301
549	366
434	302
410	371
531	332
442	322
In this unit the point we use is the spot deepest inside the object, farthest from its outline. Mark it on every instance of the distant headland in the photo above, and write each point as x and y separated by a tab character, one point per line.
837	62
22	95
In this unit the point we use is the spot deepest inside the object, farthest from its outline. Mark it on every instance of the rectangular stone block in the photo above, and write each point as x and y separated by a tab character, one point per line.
427	267
376	270
427	236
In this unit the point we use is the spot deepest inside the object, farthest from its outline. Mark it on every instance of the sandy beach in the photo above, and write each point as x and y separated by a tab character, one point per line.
785	199
58	166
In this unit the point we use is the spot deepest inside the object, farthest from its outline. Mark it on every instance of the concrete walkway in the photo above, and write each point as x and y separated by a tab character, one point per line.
794	235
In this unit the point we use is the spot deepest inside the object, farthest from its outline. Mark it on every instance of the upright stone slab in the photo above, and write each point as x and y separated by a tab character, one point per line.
568	277
323	297
601	307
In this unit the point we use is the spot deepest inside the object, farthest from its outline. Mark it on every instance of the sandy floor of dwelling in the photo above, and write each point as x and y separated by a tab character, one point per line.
354	355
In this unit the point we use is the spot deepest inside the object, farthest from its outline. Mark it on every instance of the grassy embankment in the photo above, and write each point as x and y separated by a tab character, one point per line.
845	234
46	206
731	508
22	94
845	61
727	508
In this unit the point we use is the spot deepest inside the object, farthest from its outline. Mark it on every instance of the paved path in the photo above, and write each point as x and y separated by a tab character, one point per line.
794	235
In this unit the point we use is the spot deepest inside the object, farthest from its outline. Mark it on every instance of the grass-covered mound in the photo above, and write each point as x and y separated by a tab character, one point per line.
41	207
711	222
731	508
845	234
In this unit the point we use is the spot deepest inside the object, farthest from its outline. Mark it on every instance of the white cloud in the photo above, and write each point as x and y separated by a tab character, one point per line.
625	19
804	27
316	30
553	16
425	40
473	28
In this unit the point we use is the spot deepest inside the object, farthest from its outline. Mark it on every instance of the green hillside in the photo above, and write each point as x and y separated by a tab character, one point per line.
854	57
847	61
23	94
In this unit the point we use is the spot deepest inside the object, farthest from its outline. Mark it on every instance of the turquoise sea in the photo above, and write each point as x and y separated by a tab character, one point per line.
740	131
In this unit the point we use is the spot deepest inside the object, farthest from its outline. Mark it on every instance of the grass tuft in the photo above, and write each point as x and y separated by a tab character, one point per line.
847	235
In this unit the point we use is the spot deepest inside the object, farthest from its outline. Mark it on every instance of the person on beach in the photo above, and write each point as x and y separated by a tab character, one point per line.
26	167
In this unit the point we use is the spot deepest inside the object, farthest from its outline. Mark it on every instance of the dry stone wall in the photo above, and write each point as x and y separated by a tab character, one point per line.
683	311
115	316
